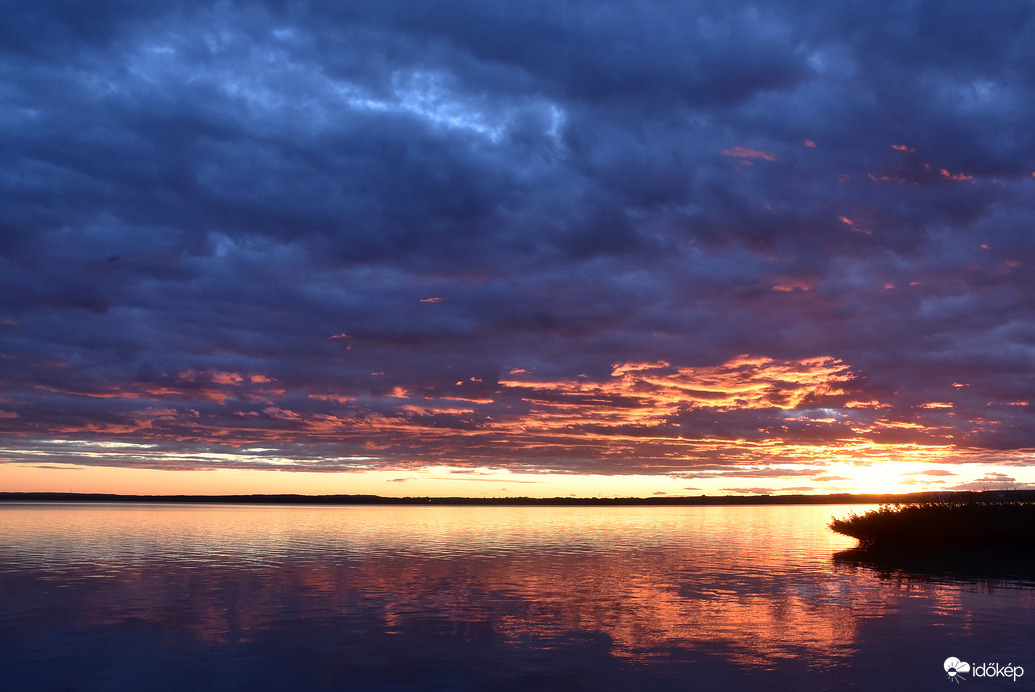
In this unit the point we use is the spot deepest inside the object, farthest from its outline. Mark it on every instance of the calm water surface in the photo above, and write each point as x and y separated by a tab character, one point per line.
222	597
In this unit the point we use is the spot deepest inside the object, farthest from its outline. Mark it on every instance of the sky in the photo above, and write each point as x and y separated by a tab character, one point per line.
540	248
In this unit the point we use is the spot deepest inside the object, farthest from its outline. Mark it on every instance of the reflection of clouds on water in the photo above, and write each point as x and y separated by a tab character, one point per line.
751	589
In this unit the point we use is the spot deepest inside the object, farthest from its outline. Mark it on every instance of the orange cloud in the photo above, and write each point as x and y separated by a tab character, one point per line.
748	153
958	177
643	417
744	382
794	284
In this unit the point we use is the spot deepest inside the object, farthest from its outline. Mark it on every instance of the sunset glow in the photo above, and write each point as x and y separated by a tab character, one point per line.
647	428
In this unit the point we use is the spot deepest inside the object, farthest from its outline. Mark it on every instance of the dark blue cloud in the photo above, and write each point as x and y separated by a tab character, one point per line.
375	202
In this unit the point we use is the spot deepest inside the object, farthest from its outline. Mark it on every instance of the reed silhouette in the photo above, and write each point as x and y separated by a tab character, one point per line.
972	524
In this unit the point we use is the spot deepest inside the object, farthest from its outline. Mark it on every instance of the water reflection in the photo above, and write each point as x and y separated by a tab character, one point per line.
467	598
976	567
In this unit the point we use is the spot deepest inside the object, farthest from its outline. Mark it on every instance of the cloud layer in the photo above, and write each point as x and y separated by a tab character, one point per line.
579	237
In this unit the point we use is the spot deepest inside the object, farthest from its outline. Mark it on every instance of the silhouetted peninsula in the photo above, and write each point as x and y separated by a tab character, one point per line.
988	520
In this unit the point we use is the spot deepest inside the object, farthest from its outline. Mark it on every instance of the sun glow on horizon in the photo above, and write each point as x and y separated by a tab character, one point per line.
445	481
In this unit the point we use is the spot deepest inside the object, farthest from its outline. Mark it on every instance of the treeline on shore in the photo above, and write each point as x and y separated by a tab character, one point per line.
667	500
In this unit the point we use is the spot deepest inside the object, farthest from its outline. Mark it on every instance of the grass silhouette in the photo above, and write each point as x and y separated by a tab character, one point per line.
942	525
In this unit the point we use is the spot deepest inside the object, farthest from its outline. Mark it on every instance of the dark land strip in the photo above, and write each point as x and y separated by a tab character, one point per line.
294	499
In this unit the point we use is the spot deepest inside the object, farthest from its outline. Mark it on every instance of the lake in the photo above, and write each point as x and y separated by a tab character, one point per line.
243	597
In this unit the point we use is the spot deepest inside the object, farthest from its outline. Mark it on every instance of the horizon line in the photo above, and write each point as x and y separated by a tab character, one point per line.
345	498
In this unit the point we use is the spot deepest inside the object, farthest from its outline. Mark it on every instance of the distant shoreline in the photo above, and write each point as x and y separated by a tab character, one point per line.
661	501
